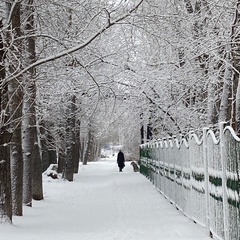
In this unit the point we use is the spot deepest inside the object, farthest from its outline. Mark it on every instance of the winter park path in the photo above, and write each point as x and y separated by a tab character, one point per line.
102	204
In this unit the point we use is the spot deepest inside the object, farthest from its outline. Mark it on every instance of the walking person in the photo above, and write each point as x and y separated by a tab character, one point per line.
120	160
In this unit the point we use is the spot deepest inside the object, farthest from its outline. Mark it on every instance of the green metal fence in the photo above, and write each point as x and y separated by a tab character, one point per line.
201	176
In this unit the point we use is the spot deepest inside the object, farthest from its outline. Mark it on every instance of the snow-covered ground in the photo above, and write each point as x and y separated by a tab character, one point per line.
102	204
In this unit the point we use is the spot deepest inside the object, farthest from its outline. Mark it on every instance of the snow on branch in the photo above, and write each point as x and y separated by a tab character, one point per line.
79	46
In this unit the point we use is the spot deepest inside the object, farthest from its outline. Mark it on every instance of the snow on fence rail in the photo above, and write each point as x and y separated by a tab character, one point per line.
201	176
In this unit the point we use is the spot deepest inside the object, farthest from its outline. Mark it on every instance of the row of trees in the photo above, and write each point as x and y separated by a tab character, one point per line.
49	61
193	72
75	74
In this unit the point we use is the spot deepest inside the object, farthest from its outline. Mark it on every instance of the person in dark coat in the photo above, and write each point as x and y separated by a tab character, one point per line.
120	160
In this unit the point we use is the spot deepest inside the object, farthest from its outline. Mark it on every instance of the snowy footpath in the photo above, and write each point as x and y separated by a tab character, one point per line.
102	204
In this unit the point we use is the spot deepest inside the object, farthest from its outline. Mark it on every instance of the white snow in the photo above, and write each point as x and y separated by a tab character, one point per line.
102	204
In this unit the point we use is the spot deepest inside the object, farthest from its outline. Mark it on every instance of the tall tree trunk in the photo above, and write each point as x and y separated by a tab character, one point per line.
5	185
70	140
31	153
61	160
5	179
27	146
44	148
89	154
82	147
15	107
77	147
37	191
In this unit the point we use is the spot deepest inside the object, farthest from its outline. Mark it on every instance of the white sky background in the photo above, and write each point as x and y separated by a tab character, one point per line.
102	204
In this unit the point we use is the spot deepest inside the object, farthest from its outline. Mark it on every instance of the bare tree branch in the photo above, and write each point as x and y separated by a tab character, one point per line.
78	47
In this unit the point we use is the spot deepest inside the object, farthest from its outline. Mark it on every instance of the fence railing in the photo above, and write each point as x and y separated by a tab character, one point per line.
201	176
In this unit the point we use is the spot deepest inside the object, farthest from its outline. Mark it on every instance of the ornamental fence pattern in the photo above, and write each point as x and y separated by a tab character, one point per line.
201	176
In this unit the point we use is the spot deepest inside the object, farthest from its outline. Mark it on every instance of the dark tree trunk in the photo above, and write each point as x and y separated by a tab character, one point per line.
5	179
37	188
5	183
27	143
45	156
61	160
44	148
15	109
70	140
142	134
82	147
31	151
77	148
149	132
89	154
